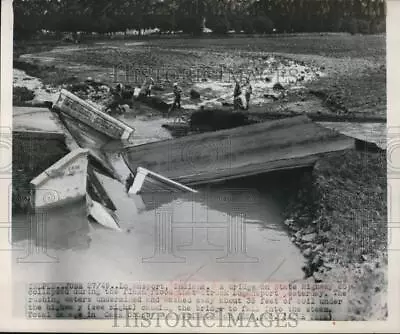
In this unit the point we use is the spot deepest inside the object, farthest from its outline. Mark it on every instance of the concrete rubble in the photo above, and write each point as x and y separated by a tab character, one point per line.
148	181
102	214
74	107
75	176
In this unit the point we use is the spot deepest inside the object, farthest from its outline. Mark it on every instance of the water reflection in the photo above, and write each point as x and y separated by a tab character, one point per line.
59	228
216	234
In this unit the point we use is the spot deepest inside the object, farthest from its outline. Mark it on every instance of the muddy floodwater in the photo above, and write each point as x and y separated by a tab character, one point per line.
225	233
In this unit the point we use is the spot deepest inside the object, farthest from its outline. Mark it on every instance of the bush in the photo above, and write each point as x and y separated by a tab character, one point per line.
22	94
217	119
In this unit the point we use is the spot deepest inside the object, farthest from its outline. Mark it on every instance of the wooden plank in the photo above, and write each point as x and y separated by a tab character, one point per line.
239	152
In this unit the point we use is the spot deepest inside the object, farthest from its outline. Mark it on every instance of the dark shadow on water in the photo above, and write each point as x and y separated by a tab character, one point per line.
260	192
63	227
260	199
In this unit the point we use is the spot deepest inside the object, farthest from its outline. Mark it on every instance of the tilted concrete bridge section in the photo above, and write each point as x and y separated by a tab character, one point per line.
235	153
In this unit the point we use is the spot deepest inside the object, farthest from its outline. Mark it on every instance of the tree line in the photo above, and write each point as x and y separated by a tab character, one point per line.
191	16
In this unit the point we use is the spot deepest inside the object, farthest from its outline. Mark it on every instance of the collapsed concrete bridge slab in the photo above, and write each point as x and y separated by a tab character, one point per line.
83	111
62	182
240	152
51	168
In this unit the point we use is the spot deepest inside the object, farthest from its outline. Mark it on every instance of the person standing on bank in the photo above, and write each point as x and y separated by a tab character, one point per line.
145	90
249	91
177	98
150	84
236	95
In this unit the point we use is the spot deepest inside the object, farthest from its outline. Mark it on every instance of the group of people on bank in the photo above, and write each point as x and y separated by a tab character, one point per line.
148	84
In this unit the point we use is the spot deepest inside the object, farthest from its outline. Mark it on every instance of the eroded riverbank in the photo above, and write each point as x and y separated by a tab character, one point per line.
339	221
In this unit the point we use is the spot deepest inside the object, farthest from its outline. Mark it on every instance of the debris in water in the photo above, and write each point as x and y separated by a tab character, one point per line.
147	181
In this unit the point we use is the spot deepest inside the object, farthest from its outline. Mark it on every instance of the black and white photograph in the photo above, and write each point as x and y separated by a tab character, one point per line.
200	164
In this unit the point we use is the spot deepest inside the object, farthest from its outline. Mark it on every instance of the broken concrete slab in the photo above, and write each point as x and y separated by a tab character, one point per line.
126	209
61	183
102	215
146	181
366	134
86	113
86	137
240	152
97	191
36	150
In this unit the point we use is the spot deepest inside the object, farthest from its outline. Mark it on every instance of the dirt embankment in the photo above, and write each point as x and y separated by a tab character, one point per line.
354	67
338	218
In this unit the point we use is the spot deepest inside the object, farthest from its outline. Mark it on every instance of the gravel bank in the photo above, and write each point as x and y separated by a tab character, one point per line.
338	219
